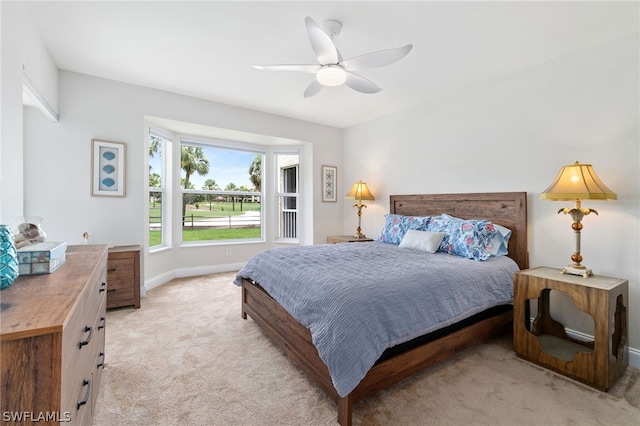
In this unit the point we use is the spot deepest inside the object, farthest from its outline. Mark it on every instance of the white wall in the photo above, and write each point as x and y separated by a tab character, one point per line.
57	167
514	134
22	48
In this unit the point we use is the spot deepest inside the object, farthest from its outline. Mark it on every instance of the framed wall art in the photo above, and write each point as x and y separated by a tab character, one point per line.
329	183
108	162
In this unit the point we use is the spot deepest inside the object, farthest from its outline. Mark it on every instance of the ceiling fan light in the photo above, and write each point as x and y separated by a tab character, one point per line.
331	75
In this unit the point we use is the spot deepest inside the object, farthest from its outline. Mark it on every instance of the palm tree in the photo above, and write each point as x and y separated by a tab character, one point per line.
232	187
244	189
211	185
154	145
154	182
192	160
255	171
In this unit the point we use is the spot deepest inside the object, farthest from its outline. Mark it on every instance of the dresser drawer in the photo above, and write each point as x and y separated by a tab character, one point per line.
97	365
81	409
97	289
79	345
120	272
120	279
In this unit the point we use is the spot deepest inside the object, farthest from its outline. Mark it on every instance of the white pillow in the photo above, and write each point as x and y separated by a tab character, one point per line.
422	240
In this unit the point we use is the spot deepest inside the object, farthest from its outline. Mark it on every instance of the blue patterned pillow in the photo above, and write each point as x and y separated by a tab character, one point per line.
466	238
396	225
500	242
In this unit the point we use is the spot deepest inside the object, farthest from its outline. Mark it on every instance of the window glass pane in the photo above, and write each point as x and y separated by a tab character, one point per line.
156	162
226	169
155	219
221	197
157	159
290	179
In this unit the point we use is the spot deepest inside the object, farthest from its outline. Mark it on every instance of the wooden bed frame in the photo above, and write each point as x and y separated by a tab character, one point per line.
507	208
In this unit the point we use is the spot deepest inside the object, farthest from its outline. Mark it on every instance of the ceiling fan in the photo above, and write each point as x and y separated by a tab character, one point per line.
332	69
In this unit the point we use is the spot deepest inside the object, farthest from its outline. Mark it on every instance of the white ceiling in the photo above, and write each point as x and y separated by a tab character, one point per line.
205	49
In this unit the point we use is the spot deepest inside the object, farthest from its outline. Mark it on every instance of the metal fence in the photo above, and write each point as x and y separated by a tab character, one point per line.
287	225
193	221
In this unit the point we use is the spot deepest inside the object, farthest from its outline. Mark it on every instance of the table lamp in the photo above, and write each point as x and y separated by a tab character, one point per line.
359	191
577	182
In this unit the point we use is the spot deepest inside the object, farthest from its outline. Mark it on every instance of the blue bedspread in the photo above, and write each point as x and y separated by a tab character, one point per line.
359	299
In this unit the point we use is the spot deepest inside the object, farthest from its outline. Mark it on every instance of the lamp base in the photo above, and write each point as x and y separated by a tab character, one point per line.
359	235
577	270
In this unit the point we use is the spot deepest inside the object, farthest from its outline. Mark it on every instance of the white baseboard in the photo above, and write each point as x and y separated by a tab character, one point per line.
158	280
161	279
634	358
634	354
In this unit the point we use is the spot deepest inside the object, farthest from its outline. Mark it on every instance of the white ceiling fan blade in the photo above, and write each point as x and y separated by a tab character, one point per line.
313	88
361	84
284	67
377	59
321	43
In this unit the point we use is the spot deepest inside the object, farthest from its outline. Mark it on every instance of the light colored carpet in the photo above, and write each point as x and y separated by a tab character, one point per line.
187	358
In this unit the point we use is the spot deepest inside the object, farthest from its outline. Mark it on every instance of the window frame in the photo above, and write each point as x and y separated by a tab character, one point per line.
214	143
281	195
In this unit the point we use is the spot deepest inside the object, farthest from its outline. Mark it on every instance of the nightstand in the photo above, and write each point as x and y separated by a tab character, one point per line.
335	239
123	277
598	363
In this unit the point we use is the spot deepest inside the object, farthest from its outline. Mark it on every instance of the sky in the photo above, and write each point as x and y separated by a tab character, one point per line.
225	166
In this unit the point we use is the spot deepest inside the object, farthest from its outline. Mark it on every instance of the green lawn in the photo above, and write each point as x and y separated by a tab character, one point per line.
207	234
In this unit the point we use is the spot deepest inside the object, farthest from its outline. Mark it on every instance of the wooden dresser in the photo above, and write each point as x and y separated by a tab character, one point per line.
123	277
52	345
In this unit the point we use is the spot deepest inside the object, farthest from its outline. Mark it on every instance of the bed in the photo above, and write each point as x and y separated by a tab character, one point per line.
406	356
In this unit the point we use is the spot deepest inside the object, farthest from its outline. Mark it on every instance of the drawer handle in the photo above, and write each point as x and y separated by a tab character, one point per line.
101	363
86	342
84	400
111	290
103	287
103	320
112	269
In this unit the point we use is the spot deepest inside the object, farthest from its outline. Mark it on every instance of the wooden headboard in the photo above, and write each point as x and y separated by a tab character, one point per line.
508	209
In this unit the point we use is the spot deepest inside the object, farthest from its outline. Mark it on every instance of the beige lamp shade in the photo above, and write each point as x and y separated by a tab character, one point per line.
577	182
359	191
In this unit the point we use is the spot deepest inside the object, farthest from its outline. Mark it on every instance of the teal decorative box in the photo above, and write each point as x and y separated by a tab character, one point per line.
41	258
